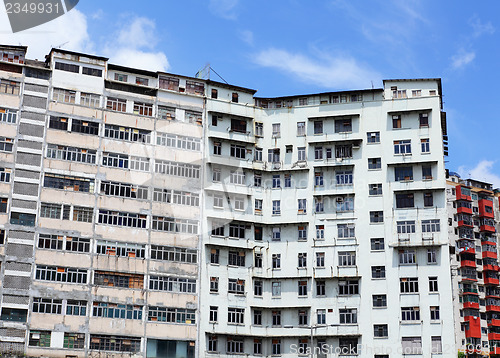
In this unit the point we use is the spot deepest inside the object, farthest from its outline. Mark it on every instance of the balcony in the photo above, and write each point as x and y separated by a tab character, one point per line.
489	267
486	208
463	193
466	223
464	210
466	250
468	263
490	254
491	281
469	304
487	228
494	350
473	330
493	336
494	323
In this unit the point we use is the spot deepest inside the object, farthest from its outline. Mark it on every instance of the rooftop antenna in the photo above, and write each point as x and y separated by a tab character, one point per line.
372	84
204	73
61	45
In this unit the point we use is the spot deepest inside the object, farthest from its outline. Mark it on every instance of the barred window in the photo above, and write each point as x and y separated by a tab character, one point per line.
118	279
76	308
47	305
172	284
68	182
178	141
85	127
171	315
5	175
116	104
143	109
119	218
83	214
121	249
176	197
61	274
6	144
115	343
63	95
113	310
124	190
8	115
236	286
74	340
174	254
90	100
127	133
167	113
115	160
186	226
177	169
9	87
71	154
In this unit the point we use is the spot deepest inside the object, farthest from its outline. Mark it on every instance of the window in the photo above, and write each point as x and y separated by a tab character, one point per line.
259	129
217	148
410	313
58	123
377	244
2	237
9	87
302	286
170	284
411	345
380	331
343	125
39	338
258	206
236	151
407	257
276	261
303	318
288	180
348	287
396	121
276	345
405	200
143	109
347	258
63	95
318	179
235	315
258	155
374	163
76	308
276	288
301	153
120	249
276	207
344	204
428	199
424	144
114	343
174	254
302	260
257	317
416	93
379	301
92	71
236	286
276	130
216	175
378	271
431	256
8	115
346	231
214	284
423	119
239	204
405	227
320	232
433	284
257	179
6	144
302	232
257	288
236	258
402	146
320	259
399	94
276	181
318	127
90	100
343	151
116	104
348	316
375	189
167	113
129	134
373	137
343	177
234	97
403	173
434	313
426	172
302	206
121	77
195	87
214	256
430	226
237	177
5	175
110	310
376	217
408	285
436	345
301	129
212	343
61	274
47	305
125	219
237	231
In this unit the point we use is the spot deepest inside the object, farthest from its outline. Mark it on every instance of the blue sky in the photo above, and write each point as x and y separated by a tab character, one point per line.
293	47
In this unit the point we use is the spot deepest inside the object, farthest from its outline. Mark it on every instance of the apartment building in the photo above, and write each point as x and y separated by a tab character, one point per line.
100	189
473	223
324	224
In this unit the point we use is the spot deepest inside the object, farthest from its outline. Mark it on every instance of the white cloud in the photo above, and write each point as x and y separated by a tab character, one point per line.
482	172
68	31
480	28
224	8
462	59
134	46
247	37
328	71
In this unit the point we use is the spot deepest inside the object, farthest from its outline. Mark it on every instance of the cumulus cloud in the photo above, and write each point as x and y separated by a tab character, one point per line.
483	171
68	31
326	71
134	46
462	59
224	8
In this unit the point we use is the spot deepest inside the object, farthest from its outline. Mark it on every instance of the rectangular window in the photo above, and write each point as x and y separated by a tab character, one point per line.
216	175
39	338
346	231
434	313
238	125
379	301
236	258
303	318
320	288
425	145
416	93
128	134
276	289
61	274
237	177
407	257
258	260
6	144
432	225
380	330
143	109
426	172
8	115
373	137
405	200
318	127
411	345
47	305
213	316
436	345
171	315
348	316
301	129
121	77
124	219
76	308
423	119
111	310
344	204
212	343
3	205
320	232
67	67
433	284
214	256
234	97
403	173
214	284
235	315
9	87
237	231
376	217
174	254
257	179
377	244
375	189
347	258
195	87
348	287
276	345
288	180
318	179
166	113
116	104
302	260
238	151
257	317
114	343
183	170
301	153
68	153
273	155
399	94
396	121
374	163
90	100
276	207
276	261
320	259
431	256
276	130
258	207
408	285
121	249
343	125
402	147
343	151
258	155
428	199
236	286
378	271
302	233
320	316
259	129
119	279
343	177
302	288
169	224
169	83
406	227
92	71
125	190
